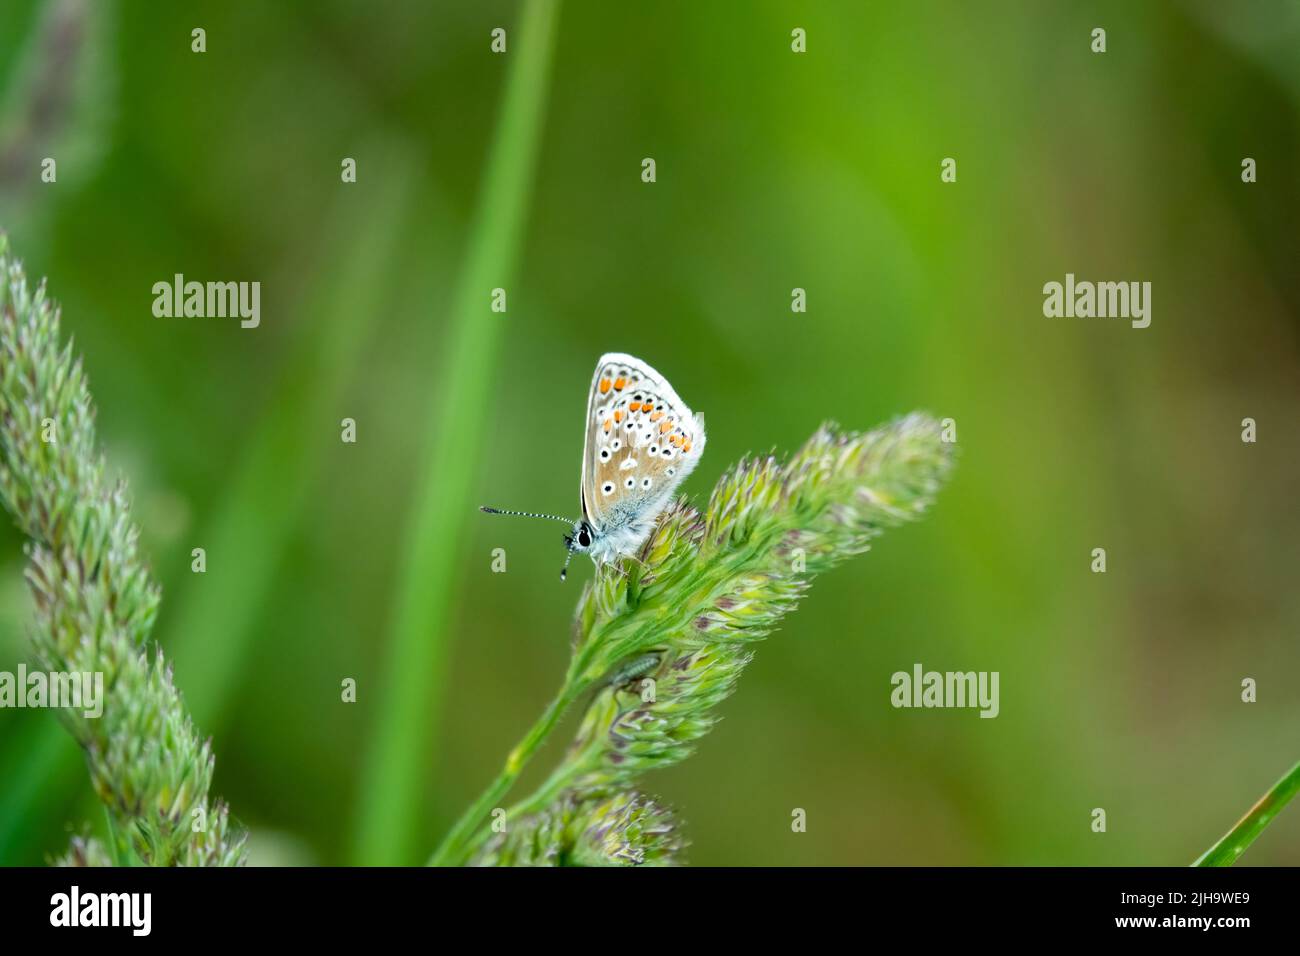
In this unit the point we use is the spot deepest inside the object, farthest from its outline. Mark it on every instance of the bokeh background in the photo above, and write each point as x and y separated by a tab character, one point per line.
775	170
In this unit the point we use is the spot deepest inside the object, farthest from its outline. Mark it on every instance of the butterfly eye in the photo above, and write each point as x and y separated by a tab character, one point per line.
584	539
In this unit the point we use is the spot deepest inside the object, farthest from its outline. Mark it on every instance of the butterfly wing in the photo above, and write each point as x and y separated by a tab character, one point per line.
642	440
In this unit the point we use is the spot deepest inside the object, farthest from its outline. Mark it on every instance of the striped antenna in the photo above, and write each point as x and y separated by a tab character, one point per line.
523	514
568	539
567	558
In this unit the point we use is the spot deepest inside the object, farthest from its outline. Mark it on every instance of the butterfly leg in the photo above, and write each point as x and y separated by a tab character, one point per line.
615	566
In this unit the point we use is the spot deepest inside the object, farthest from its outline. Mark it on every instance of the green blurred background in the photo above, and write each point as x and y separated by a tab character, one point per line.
775	170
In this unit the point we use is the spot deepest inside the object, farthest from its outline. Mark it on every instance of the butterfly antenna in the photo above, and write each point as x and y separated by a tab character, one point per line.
567	558
523	514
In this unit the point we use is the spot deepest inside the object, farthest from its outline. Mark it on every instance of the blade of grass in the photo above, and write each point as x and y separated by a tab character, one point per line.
403	736
1234	842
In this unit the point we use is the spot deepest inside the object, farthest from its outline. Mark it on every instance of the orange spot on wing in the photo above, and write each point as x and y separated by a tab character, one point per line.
635	406
656	416
618	414
604	385
608	423
664	426
686	447
618	385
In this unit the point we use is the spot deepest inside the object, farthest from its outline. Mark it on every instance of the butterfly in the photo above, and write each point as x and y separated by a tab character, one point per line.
641	441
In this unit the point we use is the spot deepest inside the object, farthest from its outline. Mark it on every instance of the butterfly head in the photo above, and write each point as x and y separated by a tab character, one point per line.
581	538
578	542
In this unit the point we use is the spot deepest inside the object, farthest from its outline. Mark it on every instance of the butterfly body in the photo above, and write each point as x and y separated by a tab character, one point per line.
624	535
641	441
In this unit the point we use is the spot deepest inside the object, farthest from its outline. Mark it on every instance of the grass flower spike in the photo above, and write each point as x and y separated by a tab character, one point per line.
662	640
95	601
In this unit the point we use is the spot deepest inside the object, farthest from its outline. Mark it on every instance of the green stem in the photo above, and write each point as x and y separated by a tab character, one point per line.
1235	841
463	838
404	732
559	781
562	777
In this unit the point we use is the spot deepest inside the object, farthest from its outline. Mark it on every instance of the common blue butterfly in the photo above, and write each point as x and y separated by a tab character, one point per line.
642	440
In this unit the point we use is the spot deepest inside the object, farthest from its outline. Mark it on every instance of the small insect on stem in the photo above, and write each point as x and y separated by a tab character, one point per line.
634	668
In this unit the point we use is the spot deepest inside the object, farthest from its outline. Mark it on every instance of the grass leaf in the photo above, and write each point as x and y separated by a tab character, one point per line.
1234	842
403	738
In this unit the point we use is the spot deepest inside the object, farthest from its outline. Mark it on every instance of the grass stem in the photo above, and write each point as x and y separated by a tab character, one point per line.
467	834
1233	843
404	736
